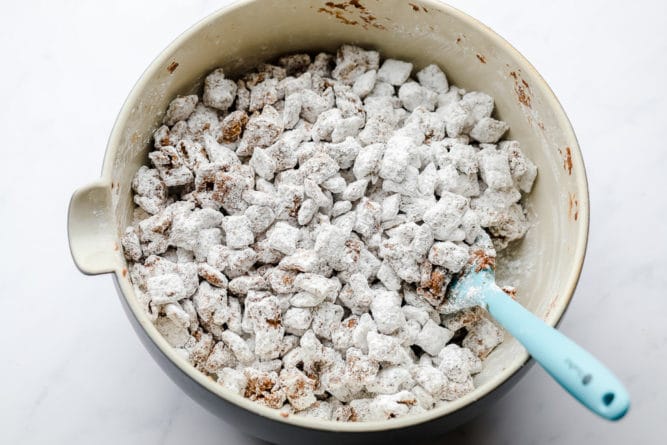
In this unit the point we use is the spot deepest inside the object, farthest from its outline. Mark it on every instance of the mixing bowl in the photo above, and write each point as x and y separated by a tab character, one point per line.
545	266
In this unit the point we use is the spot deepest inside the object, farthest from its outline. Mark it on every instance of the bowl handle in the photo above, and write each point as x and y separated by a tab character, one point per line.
92	238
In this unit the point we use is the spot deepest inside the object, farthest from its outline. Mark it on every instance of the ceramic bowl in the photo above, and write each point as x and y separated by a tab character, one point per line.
545	266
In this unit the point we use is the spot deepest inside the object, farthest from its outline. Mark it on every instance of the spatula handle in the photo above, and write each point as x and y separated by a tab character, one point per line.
581	374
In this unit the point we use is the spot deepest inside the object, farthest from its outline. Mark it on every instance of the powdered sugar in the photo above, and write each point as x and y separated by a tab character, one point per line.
299	228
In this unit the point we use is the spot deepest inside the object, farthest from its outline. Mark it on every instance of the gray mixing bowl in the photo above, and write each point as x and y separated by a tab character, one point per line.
423	32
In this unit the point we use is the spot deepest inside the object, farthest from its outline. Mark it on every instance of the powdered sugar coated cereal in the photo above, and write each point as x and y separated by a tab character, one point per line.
297	230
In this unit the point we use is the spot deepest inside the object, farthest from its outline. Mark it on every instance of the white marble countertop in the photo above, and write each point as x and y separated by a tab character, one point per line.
73	370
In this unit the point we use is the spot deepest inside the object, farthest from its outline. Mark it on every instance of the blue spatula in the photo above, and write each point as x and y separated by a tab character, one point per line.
581	374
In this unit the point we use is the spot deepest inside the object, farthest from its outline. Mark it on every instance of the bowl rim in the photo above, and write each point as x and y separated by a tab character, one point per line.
480	392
